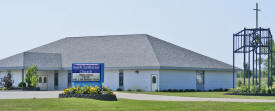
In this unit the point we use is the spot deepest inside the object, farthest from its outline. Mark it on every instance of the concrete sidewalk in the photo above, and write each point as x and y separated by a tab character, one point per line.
54	94
178	98
28	94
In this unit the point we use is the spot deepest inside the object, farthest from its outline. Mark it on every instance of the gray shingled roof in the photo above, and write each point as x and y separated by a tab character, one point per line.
45	61
115	51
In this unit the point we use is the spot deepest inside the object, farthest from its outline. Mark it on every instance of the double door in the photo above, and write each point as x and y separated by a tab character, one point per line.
42	82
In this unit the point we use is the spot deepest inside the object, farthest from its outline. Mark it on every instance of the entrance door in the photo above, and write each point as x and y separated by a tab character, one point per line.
154	82
43	82
121	79
200	80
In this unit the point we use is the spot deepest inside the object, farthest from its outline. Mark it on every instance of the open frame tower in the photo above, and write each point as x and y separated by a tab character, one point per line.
253	44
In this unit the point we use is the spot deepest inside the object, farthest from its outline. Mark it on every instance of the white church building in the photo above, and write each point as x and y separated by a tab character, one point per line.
136	61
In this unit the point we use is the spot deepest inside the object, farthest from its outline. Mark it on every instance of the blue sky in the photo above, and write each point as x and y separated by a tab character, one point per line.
204	26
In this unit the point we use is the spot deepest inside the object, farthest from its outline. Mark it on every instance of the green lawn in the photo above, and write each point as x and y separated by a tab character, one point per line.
74	104
205	95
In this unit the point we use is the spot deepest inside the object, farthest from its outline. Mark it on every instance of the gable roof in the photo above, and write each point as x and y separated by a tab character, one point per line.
119	51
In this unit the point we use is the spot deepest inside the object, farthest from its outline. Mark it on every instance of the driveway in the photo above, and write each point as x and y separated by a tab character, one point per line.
54	94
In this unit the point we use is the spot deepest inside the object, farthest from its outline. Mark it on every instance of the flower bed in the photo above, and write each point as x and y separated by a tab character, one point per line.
104	97
252	91
89	92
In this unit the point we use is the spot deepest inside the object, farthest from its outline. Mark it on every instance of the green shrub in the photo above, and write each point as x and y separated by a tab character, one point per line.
104	88
8	81
85	89
119	89
216	90
254	90
175	90
273	90
4	88
156	90
181	90
138	90
232	90
192	90
209	90
243	90
129	90
81	90
186	90
198	90
269	91
263	90
31	76
107	90
239	83
169	90
22	84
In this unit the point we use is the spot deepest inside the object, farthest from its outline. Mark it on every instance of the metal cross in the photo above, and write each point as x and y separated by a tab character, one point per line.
257	10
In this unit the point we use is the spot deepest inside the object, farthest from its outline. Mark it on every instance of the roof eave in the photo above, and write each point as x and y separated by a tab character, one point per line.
164	68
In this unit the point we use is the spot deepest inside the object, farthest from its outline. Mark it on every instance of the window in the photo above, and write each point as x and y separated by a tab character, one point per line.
40	80
56	80
45	79
121	78
69	79
154	79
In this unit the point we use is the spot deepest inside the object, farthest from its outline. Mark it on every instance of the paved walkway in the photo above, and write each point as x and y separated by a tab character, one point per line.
178	98
54	94
28	94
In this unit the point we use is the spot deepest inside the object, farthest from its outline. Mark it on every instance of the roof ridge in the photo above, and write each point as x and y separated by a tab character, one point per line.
147	37
107	35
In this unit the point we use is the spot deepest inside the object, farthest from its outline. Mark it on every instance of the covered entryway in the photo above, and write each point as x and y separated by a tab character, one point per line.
42	82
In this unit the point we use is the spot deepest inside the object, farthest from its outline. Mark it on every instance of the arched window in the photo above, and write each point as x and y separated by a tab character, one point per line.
40	80
45	79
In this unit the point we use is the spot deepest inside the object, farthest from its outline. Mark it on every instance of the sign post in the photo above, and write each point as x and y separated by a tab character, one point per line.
90	74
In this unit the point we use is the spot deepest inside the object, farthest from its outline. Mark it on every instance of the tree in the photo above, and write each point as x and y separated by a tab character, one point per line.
31	76
8	81
273	63
246	70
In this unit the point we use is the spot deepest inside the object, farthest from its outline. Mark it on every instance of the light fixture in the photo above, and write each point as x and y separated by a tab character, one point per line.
137	71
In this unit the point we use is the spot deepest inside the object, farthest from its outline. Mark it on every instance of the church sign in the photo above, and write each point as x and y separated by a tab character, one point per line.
91	74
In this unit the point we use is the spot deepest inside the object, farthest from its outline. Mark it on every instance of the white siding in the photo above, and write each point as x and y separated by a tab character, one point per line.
167	79
141	80
111	79
132	80
216	80
2	74
16	76
62	80
177	79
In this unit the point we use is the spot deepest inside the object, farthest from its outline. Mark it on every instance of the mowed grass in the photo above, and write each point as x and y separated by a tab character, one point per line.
204	95
77	104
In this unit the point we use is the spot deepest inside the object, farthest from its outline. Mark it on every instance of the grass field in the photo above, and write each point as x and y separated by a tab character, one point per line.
204	95
74	104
